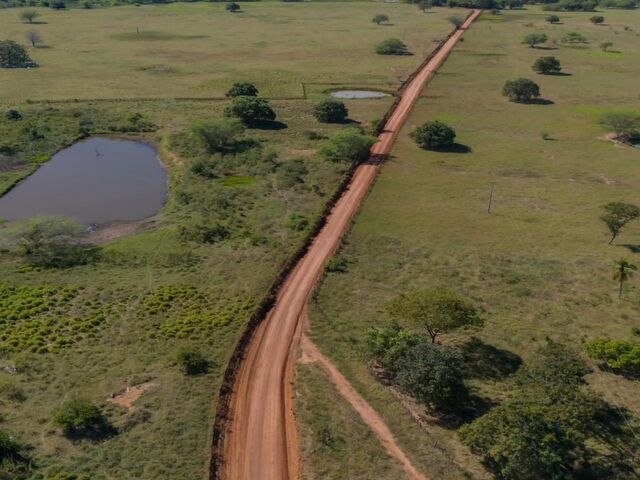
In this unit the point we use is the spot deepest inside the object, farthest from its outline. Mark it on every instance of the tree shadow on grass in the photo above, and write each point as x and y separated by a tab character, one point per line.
94	433
540	101
546	48
244	145
558	74
472	407
632	248
485	361
269	125
455	148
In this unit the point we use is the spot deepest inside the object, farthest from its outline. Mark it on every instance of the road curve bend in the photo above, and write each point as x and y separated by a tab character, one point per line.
261	439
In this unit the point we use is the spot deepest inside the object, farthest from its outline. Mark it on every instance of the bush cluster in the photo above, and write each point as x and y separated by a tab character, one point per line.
619	355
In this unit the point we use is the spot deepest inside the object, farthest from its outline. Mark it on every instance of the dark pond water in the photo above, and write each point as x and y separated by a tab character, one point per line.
98	180
358	94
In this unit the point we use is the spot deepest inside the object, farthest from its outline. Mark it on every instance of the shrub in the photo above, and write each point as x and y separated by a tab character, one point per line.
330	111
348	145
574	37
297	222
192	362
380	18
13	55
79	417
625	125
617	215
597	19
9	448
521	90
13	115
605	46
337	265
232	7
392	46
58	5
619	355
434	135
252	111
204	233
547	65
242	89
11	391
534	39
218	135
553	19
54	242
456	20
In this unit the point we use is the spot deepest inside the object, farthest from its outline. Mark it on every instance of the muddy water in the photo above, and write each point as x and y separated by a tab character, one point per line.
95	181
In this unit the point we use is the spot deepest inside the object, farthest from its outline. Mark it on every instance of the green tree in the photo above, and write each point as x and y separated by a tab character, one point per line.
431	374
242	89
534	39
252	111
434	135
232	7
391	46
34	37
625	125
79	417
619	355
13	55
28	16
617	216
521	90
192	362
380	18
547	65
49	242
553	19
348	145
218	136
330	111
519	441
624	271
437	311
597	19
13	115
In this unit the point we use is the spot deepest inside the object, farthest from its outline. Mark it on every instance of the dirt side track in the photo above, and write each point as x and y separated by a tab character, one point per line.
260	436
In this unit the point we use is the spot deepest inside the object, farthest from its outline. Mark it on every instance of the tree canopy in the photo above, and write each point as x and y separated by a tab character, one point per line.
521	90
625	125
617	215
392	46
380	18
244	89
547	65
534	39
438	310
348	145
330	111
434	135
252	111
14	55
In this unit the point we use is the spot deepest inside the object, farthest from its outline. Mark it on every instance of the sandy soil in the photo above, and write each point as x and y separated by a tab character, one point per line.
261	442
131	394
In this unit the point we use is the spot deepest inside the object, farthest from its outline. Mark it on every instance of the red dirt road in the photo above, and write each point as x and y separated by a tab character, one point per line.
261	441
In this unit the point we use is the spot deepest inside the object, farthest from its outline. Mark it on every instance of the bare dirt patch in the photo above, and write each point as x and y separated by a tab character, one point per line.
127	398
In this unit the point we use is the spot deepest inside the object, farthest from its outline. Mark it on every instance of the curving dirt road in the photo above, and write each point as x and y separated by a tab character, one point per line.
261	441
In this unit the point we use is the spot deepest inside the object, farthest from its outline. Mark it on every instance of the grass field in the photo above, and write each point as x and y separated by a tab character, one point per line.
194	50
539	264
116	323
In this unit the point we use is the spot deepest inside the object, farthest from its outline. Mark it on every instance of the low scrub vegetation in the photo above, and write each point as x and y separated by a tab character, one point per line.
392	46
348	145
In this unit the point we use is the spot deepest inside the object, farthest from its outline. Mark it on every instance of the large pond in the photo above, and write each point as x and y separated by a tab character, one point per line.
96	181
354	94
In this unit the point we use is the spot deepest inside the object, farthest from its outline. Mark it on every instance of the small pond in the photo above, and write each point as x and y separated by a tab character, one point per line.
96	181
351	94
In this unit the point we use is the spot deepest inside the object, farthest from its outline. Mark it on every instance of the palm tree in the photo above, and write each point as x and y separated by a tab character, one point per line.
624	271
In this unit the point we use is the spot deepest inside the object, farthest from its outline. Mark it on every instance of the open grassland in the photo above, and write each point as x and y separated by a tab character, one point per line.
92	331
539	264
194	50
